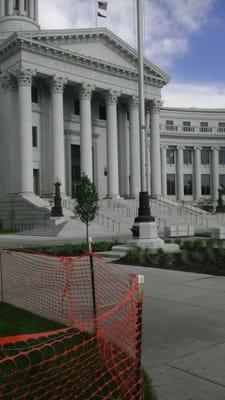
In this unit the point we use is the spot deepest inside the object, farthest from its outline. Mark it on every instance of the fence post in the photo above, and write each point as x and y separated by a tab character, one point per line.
93	284
138	372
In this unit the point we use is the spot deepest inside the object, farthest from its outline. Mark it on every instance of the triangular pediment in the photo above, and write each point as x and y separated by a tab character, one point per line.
99	44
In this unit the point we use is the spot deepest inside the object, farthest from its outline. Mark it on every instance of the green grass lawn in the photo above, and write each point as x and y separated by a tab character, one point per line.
15	321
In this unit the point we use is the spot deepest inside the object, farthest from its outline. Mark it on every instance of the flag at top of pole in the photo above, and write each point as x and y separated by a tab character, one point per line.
102	8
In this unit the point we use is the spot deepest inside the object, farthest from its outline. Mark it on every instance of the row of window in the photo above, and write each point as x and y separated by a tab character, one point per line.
188	184
186	126
188	156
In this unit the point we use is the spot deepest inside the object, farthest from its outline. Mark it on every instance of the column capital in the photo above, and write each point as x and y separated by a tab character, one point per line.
197	148
179	147
8	82
134	102
57	84
24	76
163	146
86	91
155	106
112	96
215	148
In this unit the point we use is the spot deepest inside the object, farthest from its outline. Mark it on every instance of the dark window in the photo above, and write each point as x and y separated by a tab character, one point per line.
170	156
34	94
204	124
205	156
128	115
34	136
187	156
186	123
102	112
169	125
36	183
221	124
205	179
188	184
76	107
16	5
75	167
222	181
222	156
170	180
25	5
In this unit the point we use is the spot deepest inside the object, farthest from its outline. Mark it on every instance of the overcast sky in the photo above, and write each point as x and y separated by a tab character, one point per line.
184	37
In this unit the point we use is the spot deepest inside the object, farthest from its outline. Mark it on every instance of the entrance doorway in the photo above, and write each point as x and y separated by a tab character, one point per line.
75	167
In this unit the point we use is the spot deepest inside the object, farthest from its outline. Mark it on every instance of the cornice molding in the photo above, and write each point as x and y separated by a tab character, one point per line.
18	42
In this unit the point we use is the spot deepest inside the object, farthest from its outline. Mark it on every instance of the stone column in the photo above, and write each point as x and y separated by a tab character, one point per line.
123	150
10	7
155	149
86	163
134	147
197	173
2	8
215	173
180	173
31	8
36	10
163	170
9	142
57	86
21	7
24	81
112	144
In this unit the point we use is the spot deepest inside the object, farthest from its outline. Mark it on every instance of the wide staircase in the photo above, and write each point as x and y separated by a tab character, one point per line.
116	217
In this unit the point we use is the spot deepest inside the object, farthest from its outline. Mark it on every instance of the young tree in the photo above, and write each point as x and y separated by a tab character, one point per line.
86	205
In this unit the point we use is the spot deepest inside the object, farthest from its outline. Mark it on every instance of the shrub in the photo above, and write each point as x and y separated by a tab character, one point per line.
198	244
187	245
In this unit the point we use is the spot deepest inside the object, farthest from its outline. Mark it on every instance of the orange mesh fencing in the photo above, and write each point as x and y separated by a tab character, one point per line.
97	355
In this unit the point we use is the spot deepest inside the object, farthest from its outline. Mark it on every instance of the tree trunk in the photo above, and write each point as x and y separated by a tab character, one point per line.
87	233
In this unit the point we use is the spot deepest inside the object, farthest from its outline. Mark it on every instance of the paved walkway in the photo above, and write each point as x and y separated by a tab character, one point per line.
184	334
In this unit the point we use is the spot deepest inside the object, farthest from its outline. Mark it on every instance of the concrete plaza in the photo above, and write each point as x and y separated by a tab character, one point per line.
184	334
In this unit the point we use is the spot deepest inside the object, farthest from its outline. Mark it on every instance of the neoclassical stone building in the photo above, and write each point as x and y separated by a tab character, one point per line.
69	105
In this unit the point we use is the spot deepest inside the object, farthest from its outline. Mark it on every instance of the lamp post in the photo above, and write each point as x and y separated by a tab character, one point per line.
57	208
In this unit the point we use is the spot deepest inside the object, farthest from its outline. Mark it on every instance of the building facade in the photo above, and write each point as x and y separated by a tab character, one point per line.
69	105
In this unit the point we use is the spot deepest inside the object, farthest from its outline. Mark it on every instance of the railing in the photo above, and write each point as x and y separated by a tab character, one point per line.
192	129
68	204
108	222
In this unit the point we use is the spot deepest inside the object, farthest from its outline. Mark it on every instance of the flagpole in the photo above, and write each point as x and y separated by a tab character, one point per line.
144	214
142	126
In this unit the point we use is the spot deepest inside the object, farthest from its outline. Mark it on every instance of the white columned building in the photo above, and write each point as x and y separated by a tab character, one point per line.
155	149
86	130
134	147
57	87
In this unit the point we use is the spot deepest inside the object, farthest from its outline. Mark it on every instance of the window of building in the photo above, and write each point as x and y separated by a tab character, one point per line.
169	125
222	156
36	181
187	127
170	156
170	181
16	5
204	124
221	126
25	5
205	184
205	156
204	127
102	112
187	156
222	181
187	184
76	107
34	94
34	136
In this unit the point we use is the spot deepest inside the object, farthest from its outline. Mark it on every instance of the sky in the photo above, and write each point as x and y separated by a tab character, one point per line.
185	38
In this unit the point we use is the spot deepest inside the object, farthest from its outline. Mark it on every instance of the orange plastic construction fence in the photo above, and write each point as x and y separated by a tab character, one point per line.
97	355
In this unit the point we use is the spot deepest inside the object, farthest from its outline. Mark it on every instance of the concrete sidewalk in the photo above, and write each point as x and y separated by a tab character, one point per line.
184	334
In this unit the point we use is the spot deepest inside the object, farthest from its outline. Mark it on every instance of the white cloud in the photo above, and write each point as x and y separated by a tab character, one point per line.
194	95
169	24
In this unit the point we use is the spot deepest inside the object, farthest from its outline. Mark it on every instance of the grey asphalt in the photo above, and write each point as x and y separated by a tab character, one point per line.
184	334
